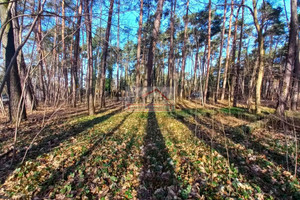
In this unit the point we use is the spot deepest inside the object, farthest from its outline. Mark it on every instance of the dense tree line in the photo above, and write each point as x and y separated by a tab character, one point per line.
71	51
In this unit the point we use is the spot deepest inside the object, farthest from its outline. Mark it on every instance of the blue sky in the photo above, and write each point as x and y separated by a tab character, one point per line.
130	13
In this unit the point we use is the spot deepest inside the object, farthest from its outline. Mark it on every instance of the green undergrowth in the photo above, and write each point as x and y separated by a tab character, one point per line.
186	154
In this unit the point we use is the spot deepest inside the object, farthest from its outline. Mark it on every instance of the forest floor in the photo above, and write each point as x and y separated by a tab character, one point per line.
215	152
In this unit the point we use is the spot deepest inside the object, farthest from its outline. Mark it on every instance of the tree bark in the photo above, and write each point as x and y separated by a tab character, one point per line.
64	57
118	51
13	80
31	101
236	93
296	77
104	56
153	41
171	52
227	54
138	54
195	69
236	79
220	52
261	59
182	78
208	53
290	61
39	37
76	56
90	91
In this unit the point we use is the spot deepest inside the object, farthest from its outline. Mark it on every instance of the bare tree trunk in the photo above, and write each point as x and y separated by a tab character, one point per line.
64	58
235	78
13	80
171	52
251	83
55	57
153	41
138	54
98	79
232	62
104	56
30	98
221	51
261	59
295	94
182	77
208	53
76	55
290	61
227	54
118	51
195	68
236	93
41	60
90	91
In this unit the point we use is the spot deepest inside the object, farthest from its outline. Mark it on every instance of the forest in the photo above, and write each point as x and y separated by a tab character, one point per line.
149	99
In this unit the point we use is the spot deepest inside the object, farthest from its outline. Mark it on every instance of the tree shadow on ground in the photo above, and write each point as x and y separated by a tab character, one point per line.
157	176
241	135
62	173
35	121
50	142
237	112
250	169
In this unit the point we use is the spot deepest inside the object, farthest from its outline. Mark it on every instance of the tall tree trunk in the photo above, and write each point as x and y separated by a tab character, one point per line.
90	91
195	68
98	79
171	49
232	65
118	51
296	77
236	93
76	55
227	54
30	98
55	58
153	41
64	57
138	54
39	37
261	59
171	52
220	52
251	83
8	50
290	61
182	78
235	67
104	56
208	53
